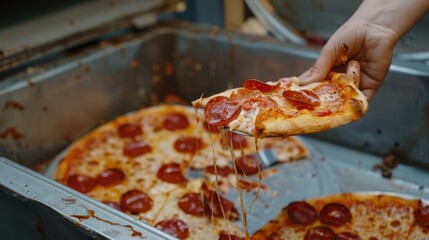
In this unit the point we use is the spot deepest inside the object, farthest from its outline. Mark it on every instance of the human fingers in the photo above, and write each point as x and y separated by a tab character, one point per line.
353	70
374	70
369	93
317	72
369	85
323	65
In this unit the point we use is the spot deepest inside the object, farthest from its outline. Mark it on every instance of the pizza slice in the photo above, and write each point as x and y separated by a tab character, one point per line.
285	108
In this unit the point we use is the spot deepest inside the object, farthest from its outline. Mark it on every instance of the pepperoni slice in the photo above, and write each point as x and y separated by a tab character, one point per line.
110	177
249	99
335	214
221	110
246	185
254	84
304	97
174	227
221	171
128	130
175	121
226	236
135	149
171	173
211	128
301	213
188	144
347	236
113	204
234	141
193	204
81	183
241	95
422	216
136	201
247	165
220	205
326	88
320	233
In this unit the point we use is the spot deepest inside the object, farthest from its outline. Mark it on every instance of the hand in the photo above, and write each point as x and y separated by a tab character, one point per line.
369	36
368	43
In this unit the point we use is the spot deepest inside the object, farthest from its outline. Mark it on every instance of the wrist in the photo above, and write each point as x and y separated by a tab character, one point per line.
393	17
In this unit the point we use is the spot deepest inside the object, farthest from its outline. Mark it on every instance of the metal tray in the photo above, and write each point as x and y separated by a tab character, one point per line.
67	97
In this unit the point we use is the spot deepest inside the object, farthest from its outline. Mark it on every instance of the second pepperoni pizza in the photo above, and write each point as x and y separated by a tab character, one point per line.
350	216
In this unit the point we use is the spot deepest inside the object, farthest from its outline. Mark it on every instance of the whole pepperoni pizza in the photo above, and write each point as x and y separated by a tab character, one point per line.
138	164
284	108
350	216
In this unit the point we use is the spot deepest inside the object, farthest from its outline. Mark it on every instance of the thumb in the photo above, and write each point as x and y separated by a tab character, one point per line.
321	68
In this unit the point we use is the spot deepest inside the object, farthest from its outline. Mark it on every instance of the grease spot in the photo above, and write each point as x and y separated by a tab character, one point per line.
13	105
